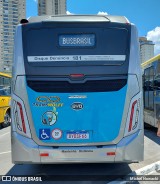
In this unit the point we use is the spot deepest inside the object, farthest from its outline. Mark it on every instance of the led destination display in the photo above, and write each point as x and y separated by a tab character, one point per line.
82	40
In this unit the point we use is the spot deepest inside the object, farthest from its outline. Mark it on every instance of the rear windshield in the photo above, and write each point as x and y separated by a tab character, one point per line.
76	44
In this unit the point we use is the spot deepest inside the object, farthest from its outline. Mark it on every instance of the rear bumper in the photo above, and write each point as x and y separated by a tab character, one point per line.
129	149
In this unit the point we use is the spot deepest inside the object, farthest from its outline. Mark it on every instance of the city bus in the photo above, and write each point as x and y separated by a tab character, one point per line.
5	97
77	91
151	86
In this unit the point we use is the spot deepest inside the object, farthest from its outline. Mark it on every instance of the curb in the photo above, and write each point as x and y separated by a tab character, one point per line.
142	171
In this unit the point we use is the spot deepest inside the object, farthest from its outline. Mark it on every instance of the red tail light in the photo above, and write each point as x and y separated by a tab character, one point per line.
44	154
131	116
22	117
76	75
111	153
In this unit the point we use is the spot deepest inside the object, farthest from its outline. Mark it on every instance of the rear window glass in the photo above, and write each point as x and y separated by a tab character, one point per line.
76	45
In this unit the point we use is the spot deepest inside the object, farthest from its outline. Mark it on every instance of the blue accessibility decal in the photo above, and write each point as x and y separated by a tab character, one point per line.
44	134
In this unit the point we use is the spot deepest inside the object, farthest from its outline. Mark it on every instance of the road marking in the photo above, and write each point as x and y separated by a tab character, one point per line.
5	152
4	134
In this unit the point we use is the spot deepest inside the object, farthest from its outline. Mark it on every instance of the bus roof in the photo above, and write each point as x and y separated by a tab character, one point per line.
150	61
79	18
5	75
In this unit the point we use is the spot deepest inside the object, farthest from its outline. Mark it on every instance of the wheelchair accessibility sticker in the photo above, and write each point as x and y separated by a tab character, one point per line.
44	134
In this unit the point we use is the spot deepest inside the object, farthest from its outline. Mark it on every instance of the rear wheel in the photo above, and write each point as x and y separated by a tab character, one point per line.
7	120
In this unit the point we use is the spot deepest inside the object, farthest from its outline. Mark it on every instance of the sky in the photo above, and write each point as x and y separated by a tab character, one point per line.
145	14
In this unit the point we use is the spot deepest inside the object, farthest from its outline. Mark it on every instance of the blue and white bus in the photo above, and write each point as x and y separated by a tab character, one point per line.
77	91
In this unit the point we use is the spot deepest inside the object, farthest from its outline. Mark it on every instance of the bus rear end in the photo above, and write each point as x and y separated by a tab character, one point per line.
77	94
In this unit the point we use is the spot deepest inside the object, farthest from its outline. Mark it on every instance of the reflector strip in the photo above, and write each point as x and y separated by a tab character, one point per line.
111	153
44	154
131	115
22	117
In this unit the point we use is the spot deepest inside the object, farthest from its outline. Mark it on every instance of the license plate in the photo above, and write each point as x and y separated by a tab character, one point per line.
77	135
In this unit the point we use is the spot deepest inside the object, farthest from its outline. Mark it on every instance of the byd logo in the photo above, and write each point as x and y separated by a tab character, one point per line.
77	106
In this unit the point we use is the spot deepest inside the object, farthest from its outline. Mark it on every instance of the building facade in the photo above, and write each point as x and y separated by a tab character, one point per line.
51	7
11	12
146	49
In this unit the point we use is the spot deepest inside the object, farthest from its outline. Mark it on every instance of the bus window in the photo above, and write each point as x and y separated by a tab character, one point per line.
151	89
7	81
148	88
1	80
157	77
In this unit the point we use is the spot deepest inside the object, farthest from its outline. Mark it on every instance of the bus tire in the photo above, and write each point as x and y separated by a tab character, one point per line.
7	120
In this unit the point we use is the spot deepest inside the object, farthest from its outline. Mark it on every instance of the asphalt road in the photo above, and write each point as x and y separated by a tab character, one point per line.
85	172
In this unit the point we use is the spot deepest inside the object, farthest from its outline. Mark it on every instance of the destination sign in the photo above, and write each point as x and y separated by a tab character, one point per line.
80	40
76	58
